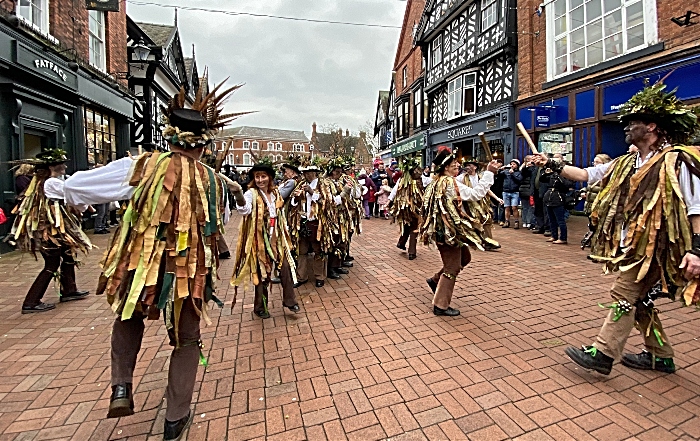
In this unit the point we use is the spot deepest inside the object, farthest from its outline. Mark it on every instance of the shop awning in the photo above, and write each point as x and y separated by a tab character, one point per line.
413	144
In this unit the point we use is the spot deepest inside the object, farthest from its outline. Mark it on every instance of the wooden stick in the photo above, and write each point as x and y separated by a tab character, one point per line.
222	157
487	149
526	135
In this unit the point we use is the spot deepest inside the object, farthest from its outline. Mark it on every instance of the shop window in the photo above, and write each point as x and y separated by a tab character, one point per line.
100	138
35	13
97	39
489	13
436	51
583	33
557	141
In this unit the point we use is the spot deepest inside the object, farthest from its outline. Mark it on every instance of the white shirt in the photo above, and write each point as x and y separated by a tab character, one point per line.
100	185
248	207
309	200
480	189
689	184
54	188
426	180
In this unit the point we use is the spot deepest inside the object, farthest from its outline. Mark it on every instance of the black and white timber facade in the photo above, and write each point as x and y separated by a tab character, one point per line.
470	54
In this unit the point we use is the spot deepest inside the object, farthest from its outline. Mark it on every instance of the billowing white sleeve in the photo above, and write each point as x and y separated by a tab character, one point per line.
690	187
479	191
392	195
426	180
338	200
597	172
54	188
100	185
246	209
460	178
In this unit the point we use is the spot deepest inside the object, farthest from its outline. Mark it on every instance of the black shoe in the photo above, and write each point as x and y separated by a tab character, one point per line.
342	271
275	280
538	231
121	403
547	233
491	247
401	247
300	282
262	314
101	232
41	307
174	430
294	308
347	264
643	361
225	255
506	225
78	295
333	275
589	357
450	312
349	258
320	283
411	257
431	283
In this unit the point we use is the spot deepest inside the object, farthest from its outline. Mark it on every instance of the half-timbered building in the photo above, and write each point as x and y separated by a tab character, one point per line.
470	56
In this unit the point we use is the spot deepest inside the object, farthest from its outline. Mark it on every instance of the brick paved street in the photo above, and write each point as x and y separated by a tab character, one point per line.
365	359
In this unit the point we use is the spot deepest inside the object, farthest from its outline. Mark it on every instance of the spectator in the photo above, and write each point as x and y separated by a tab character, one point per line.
555	203
23	177
496	194
383	198
528	171
511	196
539	189
368	190
378	175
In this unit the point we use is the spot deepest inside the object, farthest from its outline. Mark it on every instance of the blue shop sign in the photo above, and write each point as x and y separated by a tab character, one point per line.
542	117
684	78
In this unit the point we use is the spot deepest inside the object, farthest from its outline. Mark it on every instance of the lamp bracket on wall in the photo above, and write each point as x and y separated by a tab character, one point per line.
685	20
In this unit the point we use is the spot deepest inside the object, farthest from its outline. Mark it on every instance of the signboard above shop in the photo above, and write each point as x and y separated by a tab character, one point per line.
413	144
102	5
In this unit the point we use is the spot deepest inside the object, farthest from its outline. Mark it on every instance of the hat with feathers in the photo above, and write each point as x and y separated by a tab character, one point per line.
409	163
197	126
44	159
443	157
293	162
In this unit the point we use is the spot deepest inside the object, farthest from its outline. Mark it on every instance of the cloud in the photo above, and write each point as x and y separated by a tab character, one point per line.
295	72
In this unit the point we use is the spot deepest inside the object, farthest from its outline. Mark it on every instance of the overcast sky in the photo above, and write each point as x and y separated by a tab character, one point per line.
295	72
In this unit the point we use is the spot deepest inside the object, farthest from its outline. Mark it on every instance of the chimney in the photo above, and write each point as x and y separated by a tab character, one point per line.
313	128
347	133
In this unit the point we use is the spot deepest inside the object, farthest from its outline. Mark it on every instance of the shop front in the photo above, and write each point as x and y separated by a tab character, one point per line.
584	122
47	102
411	146
464	140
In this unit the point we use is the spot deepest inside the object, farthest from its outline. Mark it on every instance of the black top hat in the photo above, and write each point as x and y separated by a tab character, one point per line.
291	167
188	120
443	158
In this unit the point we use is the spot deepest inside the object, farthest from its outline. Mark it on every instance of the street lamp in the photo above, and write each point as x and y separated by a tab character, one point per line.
141	51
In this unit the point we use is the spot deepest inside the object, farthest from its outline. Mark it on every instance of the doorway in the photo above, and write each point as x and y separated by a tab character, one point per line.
36	141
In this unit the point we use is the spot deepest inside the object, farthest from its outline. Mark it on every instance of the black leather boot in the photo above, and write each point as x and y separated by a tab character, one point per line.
590	357
174	429
644	362
121	403
431	283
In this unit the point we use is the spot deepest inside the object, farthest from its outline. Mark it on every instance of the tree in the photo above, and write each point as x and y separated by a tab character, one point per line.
371	140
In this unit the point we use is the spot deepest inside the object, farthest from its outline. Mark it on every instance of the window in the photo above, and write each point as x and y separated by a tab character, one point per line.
279	146
230	159
469	99
454	98
489	13
270	145
400	119
100	138
417	107
256	146
36	12
587	32
405	76
426	110
436	51
246	159
298	147
246	145
461	96
97	39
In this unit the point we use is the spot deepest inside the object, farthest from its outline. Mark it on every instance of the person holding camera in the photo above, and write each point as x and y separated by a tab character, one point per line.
555	203
528	170
511	192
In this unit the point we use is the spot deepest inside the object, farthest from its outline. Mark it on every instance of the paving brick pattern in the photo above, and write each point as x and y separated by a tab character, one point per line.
365	359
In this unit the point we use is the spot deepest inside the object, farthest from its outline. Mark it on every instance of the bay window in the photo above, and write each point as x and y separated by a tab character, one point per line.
489	13
461	95
583	33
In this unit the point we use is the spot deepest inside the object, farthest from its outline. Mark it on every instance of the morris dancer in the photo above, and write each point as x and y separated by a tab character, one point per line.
406	202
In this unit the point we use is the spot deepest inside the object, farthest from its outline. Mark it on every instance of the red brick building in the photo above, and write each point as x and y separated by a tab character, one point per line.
579	61
261	141
410	101
63	84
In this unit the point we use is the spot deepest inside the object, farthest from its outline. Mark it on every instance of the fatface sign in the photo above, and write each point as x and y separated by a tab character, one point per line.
102	5
50	65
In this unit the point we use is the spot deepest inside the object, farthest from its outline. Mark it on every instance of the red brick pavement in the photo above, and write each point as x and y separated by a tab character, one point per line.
365	359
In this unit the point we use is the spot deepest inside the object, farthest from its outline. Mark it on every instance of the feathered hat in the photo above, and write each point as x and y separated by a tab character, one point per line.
443	157
337	162
348	162
409	163
293	162
654	105
44	159
197	127
308	165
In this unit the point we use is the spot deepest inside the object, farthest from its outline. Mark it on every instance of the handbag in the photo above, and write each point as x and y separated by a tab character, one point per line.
3	218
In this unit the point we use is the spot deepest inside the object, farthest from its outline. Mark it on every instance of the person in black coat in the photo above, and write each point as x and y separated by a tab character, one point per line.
528	170
554	201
